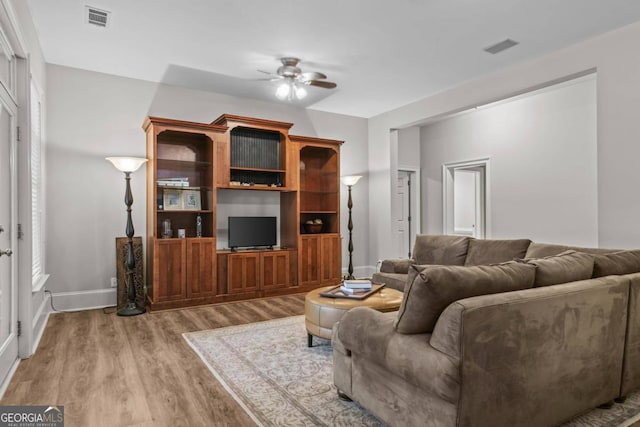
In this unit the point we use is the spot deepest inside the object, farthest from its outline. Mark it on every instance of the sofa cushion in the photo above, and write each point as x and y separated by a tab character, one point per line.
396	266
391	280
445	250
540	250
569	266
493	251
430	291
622	262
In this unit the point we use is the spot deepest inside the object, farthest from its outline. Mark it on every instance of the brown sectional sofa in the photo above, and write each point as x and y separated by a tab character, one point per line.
533	342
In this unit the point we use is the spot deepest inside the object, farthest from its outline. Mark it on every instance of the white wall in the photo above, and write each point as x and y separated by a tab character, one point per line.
244	203
618	129
409	147
94	115
543	167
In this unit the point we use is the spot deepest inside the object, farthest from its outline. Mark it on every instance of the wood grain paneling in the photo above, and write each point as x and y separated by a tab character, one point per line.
309	260
201	267
274	268
243	273
330	260
169	269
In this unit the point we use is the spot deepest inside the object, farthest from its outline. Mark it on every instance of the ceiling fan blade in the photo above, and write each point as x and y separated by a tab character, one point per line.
314	75
265	72
320	83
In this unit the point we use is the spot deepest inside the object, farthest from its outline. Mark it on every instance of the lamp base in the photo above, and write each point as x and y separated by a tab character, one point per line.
130	310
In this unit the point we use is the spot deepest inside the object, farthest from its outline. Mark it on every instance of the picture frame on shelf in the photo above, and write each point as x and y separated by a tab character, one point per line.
172	200
191	200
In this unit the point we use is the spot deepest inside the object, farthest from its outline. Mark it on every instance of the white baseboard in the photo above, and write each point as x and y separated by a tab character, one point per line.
40	322
84	300
5	382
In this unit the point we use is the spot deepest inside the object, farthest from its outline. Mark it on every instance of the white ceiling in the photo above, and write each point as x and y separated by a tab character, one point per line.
383	54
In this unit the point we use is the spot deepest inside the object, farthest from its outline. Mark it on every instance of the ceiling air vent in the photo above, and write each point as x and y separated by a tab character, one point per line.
96	16
501	46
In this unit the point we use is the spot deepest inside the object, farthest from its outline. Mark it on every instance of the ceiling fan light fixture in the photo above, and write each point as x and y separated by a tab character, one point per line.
283	91
301	92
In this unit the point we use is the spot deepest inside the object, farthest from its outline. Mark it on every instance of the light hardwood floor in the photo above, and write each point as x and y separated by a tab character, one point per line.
136	371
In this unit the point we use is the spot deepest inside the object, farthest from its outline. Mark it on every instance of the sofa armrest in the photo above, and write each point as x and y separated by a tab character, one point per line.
369	334
537	348
400	266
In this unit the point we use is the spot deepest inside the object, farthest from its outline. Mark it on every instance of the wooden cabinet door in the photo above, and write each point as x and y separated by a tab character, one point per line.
274	268
243	274
331	259
169	270
309	264
201	267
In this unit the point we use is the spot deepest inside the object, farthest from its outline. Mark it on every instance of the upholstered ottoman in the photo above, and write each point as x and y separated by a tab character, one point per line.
321	313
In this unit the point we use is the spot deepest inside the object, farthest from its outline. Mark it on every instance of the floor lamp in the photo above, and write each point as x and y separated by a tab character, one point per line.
350	181
129	165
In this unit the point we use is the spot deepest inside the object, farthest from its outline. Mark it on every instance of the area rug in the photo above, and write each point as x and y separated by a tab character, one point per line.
279	381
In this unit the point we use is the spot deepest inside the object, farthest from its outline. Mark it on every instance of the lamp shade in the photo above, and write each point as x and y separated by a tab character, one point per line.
350	180
127	164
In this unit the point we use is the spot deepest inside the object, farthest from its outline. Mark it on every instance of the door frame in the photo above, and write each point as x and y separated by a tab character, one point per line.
9	102
416	202
12	31
448	170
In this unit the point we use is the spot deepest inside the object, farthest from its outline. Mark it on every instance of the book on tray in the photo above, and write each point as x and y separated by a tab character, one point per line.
351	291
357	284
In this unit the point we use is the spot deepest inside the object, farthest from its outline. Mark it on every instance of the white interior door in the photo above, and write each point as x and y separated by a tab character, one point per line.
464	202
8	236
466	198
402	224
407	212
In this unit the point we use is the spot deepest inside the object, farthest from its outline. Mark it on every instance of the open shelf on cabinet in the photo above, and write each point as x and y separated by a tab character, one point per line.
257	157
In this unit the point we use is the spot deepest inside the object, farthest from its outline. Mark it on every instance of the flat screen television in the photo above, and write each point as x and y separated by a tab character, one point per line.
252	231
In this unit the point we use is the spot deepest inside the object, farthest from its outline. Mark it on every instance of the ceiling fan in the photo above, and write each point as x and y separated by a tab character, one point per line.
294	80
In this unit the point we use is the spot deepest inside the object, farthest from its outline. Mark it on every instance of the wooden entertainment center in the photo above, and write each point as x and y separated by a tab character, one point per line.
190	162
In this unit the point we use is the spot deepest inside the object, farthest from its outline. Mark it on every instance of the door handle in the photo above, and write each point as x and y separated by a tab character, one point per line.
7	252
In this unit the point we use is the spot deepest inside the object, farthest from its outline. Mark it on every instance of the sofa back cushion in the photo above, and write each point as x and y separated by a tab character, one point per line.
569	266
485	252
622	262
540	250
431	290
439	249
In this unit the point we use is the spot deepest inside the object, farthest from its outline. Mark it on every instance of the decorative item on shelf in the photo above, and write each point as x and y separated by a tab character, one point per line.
172	200
167	232
313	226
173	182
191	200
199	226
182	233
129	165
350	181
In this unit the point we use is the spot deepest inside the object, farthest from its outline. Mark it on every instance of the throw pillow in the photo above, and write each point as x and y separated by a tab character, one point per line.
445	250
541	250
431	290
622	262
569	266
485	252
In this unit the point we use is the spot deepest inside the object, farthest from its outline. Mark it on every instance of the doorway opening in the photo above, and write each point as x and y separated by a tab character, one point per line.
407	221
466	201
